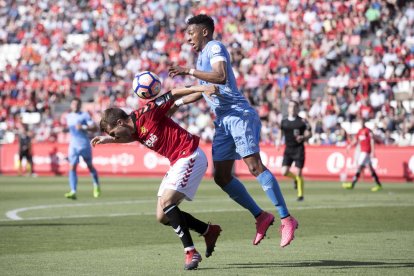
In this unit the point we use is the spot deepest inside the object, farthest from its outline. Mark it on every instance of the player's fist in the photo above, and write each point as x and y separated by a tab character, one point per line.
177	70
101	140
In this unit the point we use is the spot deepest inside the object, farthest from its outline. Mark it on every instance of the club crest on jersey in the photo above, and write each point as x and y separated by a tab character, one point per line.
215	49
144	130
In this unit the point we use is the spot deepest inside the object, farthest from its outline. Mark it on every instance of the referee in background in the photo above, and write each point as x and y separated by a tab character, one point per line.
296	131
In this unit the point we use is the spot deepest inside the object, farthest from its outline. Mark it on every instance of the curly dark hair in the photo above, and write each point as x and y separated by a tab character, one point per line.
202	19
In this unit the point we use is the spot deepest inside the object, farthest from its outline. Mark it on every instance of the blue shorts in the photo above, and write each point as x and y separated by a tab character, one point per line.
76	152
237	135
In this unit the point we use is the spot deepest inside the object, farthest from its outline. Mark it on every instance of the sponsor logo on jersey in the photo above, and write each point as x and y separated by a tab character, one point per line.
144	130
151	140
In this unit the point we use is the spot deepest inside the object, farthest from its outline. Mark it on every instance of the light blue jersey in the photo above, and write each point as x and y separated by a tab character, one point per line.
79	141
237	125
231	98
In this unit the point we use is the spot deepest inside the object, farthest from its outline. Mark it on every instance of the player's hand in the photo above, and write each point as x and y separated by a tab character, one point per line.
177	70
211	90
299	138
101	140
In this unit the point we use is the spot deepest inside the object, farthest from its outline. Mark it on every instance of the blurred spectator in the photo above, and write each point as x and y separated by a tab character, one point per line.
51	50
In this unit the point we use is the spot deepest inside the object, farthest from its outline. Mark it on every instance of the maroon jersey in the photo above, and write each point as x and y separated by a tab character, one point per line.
160	133
364	139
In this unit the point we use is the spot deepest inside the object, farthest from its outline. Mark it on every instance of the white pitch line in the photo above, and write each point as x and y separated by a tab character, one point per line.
12	215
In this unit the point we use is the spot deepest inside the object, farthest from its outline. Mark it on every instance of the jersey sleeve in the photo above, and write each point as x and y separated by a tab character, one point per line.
306	125
217	53
158	107
87	119
282	125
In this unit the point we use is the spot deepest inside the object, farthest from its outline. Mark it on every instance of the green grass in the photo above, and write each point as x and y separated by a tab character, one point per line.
341	232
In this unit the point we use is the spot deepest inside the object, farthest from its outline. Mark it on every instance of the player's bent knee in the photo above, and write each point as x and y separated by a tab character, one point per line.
161	218
166	201
222	180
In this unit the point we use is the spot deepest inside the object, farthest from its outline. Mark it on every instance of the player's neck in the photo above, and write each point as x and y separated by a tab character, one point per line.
205	42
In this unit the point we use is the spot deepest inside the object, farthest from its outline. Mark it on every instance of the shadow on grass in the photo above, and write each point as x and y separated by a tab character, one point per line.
336	264
50	224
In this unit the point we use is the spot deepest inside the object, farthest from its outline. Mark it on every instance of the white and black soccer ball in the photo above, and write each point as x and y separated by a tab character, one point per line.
146	85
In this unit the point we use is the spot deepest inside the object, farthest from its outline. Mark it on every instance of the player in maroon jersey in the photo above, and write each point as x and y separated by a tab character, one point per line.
367	151
151	126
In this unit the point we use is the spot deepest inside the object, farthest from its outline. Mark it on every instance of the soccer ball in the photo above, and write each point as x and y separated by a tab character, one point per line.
146	85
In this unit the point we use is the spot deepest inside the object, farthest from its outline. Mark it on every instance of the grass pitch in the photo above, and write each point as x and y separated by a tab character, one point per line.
341	232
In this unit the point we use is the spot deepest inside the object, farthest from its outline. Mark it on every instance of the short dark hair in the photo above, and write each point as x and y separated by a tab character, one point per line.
202	19
77	99
110	116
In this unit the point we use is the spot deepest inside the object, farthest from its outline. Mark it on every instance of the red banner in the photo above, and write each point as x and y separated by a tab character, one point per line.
329	162
324	162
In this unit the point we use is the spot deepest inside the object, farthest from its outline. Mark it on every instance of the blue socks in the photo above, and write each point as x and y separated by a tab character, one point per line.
272	190
238	193
94	174
73	180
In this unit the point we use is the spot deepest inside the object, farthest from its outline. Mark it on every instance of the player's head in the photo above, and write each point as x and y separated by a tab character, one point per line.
293	108
75	105
116	123
200	29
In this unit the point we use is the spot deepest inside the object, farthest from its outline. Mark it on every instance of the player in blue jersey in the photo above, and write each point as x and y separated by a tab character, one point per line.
237	127
79	124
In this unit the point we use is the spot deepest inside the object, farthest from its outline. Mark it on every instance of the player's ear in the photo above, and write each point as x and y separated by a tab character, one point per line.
120	122
205	32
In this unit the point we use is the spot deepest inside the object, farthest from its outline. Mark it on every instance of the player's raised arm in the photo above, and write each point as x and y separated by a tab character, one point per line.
110	140
217	76
184	91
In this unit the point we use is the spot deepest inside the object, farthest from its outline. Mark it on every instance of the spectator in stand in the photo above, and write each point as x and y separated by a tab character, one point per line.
61	46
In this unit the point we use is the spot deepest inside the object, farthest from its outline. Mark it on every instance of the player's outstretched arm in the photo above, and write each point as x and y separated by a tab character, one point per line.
184	91
218	74
109	140
184	100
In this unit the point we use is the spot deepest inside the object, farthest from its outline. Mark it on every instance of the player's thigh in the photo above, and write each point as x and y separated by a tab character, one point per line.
288	158
299	158
224	147
29	158
364	159
245	130
170	197
22	155
73	156
185	175
86	153
223	171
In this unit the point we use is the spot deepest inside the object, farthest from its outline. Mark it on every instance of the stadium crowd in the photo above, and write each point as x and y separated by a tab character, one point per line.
342	60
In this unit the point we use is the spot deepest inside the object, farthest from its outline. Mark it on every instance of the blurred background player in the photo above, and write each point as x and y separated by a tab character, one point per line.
79	124
25	151
365	141
296	131
151	127
237	129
